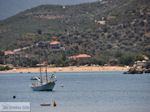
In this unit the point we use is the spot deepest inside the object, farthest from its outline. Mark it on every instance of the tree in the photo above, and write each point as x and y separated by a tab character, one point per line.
39	31
127	59
1	57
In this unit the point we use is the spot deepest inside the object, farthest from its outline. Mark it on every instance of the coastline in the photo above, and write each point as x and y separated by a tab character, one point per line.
68	69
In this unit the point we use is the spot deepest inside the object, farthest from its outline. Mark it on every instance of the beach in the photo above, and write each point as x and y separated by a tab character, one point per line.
68	69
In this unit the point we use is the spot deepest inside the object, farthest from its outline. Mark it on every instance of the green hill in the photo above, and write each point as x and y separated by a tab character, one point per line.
124	31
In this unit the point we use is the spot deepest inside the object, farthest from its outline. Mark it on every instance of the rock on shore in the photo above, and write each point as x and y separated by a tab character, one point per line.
139	67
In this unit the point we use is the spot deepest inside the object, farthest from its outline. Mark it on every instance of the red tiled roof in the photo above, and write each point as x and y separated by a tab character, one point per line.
54	42
79	56
9	52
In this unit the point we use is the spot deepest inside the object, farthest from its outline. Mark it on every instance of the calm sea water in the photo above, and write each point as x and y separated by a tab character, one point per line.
82	92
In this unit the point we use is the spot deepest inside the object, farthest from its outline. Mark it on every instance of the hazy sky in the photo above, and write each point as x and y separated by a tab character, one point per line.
12	7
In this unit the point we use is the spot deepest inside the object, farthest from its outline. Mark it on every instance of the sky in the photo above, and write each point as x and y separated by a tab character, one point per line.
11	7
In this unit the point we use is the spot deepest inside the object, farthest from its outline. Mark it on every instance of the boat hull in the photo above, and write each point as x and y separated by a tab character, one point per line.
44	87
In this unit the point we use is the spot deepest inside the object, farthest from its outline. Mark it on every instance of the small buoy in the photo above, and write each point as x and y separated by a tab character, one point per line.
64	7
44	104
54	104
62	85
14	97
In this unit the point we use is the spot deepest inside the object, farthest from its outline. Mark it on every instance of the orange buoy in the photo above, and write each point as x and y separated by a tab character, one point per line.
54	104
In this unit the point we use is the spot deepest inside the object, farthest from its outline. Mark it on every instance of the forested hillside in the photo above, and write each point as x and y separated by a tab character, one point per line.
107	30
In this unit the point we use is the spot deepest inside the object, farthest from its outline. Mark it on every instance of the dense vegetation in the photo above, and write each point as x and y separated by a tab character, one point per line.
121	40
3	68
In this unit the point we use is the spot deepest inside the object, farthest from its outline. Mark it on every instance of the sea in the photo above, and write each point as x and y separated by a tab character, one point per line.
81	92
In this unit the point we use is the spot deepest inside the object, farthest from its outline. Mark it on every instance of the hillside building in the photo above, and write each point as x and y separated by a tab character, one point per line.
55	45
80	56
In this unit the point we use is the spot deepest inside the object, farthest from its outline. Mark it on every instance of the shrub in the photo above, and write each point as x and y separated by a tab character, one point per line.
127	59
3	68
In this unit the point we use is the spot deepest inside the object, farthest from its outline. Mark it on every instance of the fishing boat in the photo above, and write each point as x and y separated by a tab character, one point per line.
48	86
44	83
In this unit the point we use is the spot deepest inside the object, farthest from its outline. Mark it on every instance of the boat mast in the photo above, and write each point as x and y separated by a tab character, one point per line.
46	63
39	32
46	73
41	72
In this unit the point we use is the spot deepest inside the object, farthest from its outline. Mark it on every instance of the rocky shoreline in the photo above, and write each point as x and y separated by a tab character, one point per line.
139	67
